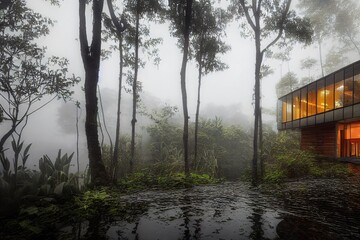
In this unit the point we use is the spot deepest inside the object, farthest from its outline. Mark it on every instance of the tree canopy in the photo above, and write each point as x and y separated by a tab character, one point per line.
27	75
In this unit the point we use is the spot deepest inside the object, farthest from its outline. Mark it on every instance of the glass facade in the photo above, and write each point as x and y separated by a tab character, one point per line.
320	100
335	91
348	140
303	104
296	105
312	99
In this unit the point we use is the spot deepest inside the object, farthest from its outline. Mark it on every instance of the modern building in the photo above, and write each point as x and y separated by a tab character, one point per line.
327	112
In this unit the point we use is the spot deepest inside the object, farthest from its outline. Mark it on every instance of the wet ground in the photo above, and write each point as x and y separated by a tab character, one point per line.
306	209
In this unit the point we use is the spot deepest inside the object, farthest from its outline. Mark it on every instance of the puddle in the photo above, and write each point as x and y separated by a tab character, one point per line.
321	209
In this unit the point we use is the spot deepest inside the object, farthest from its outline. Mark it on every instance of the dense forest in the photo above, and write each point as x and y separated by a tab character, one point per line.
125	140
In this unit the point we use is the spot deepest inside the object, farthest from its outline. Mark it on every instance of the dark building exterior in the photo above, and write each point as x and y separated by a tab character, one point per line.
327	112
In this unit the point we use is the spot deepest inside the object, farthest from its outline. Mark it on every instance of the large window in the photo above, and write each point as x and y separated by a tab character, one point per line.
320	103
312	99
338	90
349	140
348	91
303	104
296	105
339	94
283	109
357	83
348	86
288	108
329	93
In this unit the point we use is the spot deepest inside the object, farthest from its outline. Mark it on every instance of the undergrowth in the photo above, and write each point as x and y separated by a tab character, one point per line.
146	180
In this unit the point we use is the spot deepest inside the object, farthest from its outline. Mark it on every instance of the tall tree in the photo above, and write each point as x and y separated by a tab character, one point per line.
209	26
136	38
286	84
336	22
307	64
27	77
91	60
347	25
321	14
181	18
117	25
267	22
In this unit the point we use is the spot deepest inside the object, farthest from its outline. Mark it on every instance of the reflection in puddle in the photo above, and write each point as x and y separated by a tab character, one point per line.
321	209
207	212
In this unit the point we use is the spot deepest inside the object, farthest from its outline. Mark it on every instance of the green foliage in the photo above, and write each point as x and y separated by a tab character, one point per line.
166	136
93	203
27	76
283	157
208	28
147	179
287	84
285	160
223	151
124	156
55	177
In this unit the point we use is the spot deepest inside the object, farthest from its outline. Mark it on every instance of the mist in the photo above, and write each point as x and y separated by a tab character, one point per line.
227	94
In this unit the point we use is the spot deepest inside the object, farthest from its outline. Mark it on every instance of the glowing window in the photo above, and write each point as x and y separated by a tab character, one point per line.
303	104
329	97
357	88
320	103
339	94
312	99
288	108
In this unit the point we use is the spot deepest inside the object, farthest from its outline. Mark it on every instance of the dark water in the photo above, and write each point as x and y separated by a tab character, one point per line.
307	209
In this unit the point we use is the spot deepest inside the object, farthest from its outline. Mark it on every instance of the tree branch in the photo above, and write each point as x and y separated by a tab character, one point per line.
247	15
281	30
95	49
119	25
84	45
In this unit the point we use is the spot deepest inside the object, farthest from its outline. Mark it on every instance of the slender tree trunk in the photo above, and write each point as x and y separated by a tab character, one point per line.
104	122
261	146
186	33
197	114
101	132
91	61
117	136
257	111
134	87
120	26
6	136
321	60
77	143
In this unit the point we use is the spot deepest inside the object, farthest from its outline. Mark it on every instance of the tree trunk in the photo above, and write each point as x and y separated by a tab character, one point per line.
134	87
91	61
6	136
197	114
321	60
257	111
117	135
261	146
183	85
77	144
104	121
120	28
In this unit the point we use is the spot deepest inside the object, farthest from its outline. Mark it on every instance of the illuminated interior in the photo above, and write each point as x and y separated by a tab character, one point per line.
337	90
348	140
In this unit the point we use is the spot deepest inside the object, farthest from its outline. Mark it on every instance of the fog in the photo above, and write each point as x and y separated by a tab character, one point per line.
226	94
